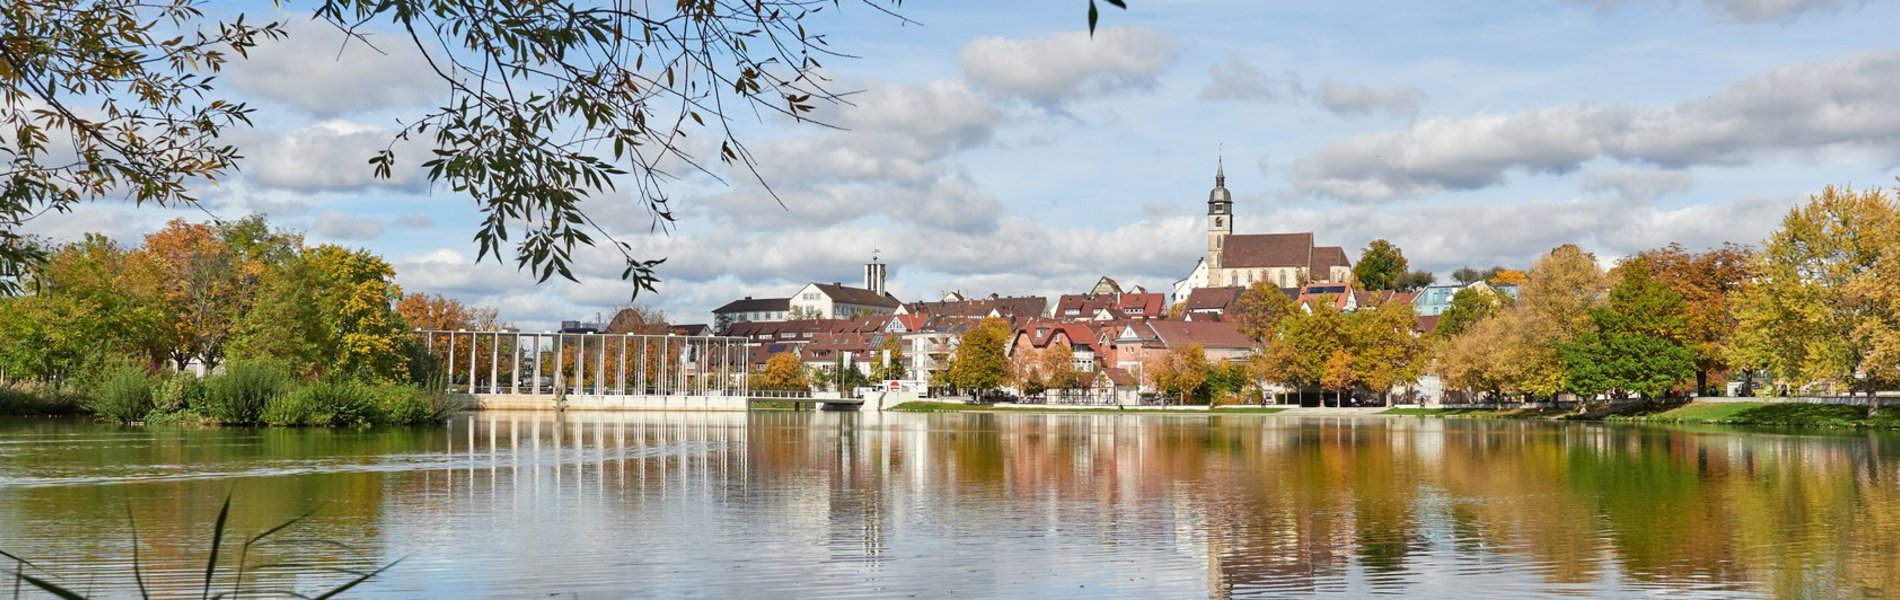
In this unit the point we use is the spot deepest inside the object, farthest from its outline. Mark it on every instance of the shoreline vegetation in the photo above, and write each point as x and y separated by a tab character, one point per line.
1778	415
925	406
245	394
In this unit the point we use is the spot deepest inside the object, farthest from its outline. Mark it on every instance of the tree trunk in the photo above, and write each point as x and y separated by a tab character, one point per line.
1873	402
1702	382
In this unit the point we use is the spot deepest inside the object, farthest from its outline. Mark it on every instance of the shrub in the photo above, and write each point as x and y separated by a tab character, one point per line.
36	399
239	395
124	395
324	404
413	405
176	392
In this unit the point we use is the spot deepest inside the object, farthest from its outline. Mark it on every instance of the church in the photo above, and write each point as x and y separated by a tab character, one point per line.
1286	260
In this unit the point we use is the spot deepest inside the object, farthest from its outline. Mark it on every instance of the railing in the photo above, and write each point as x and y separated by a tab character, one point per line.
785	394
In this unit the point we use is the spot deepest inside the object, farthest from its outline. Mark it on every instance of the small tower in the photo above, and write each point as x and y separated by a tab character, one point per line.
874	274
1220	221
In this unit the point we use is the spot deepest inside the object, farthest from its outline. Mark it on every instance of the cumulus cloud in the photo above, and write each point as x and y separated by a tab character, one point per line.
339	226
321	72
1065	66
1238	80
331	156
894	160
1844	103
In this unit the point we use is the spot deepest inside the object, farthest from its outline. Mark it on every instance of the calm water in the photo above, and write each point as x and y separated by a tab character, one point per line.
803	505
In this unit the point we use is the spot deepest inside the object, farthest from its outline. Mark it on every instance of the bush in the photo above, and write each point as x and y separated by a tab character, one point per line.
176	392
412	405
324	404
36	399
240	394
124	395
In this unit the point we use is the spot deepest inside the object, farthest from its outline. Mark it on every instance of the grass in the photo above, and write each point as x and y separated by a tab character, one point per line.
1788	414
925	406
37	399
124	396
216	572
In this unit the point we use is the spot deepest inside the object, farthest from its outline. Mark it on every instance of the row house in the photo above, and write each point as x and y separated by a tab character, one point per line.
1107	302
1039	334
1134	344
955	304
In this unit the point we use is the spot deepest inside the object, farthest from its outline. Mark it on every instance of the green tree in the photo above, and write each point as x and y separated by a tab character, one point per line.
981	362
1707	282
1468	306
1415	280
1380	266
1634	344
1552	307
1259	309
1468	275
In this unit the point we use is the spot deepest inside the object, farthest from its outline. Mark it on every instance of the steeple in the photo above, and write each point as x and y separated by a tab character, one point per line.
1219	200
1220	172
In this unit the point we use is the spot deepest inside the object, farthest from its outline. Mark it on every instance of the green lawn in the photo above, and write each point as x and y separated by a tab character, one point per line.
1475	413
1772	415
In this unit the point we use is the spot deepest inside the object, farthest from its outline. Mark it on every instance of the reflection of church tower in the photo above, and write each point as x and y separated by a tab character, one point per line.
1220	222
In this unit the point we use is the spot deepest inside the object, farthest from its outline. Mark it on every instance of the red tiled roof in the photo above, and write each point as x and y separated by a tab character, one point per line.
1214	298
1267	250
1210	335
1324	259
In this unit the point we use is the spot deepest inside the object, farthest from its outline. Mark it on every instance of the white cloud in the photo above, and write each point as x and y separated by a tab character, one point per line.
1065	66
1844	103
1238	80
331	156
316	71
342	227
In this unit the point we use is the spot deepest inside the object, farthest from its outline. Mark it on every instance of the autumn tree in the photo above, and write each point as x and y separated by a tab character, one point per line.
783	372
1296	355
1553	306
1336	375
1180	372
1634	344
1385	351
1380	266
1259	309
1707	282
203	289
889	359
95	301
1509	277
981	362
1813	314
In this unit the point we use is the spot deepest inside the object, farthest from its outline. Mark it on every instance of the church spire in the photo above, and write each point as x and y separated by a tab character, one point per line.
1220	171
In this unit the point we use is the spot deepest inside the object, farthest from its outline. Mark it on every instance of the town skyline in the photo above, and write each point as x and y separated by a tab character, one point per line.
973	168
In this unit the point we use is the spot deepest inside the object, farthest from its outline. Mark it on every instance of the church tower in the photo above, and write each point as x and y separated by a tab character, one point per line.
1220	223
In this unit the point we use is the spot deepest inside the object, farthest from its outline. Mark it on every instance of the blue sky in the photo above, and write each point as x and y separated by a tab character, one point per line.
996	148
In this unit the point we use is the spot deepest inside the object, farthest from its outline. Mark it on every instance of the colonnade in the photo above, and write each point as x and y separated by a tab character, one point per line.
589	363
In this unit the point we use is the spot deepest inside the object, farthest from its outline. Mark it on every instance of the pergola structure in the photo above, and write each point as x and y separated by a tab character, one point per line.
589	364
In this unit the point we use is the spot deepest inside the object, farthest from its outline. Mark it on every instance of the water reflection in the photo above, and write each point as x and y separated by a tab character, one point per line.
865	505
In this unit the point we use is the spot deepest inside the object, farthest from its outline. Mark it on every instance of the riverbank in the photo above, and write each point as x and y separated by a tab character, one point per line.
1754	414
924	406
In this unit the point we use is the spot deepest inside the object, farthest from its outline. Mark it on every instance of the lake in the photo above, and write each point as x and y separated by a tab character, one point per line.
841	505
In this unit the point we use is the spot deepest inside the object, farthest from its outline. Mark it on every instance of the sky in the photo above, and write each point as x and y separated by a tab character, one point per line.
995	147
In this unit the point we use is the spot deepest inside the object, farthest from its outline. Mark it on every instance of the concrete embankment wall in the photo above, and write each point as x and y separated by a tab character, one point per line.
607	402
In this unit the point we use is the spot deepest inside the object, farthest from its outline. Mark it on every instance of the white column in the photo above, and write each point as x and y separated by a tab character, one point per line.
494	365
451	368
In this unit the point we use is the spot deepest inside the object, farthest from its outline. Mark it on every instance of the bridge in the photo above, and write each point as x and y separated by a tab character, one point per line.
506	369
